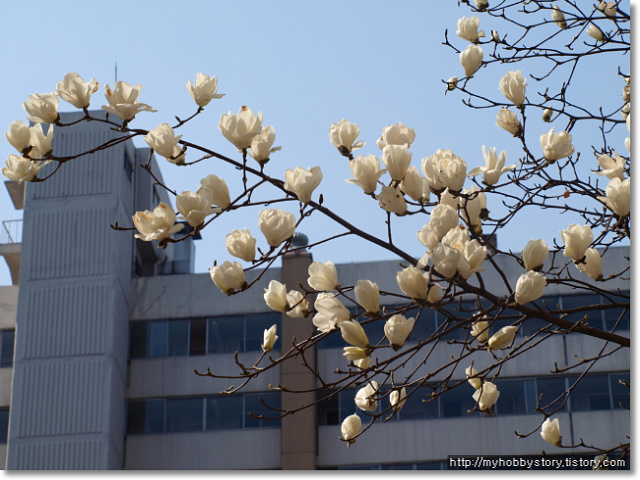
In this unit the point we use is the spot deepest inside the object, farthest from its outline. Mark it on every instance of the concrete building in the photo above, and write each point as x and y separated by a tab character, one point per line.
101	334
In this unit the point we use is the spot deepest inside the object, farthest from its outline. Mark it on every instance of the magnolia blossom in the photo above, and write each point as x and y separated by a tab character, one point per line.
398	134
302	182
122	101
350	428
481	4
594	32
554	146
443	218
18	135
445	260
241	244
474	382
445	169
21	169
368	295
448	198
592	264
163	141
495	36
228	277
343	135
397	329
480	330
558	17
576	240
513	87
269	338
397	399
626	93
157	224
353	333
415	185
73	89
195	207
397	159
471	59
391	200
219	190
494	166
508	120
530	287
240	129
473	257
331	312
471	207
618	197
626	110
452	83
262	145
204	89
366	397
357	354
42	145
468	29
434	294
42	108
534	254
366	172
486	396
297	304
362	363
276	296
611	167
550	432
323	276
276	225
608	8
413	282
503	337
546	115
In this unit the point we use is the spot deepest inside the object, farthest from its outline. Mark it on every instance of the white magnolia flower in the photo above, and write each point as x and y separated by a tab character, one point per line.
554	146
415	185
343	135
240	129
357	354
546	115
576	240
241	244
550	432
448	198
443	218
480	330
391	200
276	296
397	159
353	333
481	4
452	83
594	32
503	337
219	190
195	207
471	59
331	312
21	169
323	276
157	224
73	89
368	295
18	135
618	197
592	264
204	89
361	363
366	172
164	142
298	304
486	396
262	145
513	87
122	101
468	29
42	108
397	134
444	169
413	282
276	225
558	17
472	204
228	277
445	260
611	167
269	338
302	182
508	120
350	428
608	8
474	382
397	329
534	254
473	257
530	287
494	166
366	397
397	399
40	142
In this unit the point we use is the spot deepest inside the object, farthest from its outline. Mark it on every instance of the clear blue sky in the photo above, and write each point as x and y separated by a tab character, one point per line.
304	64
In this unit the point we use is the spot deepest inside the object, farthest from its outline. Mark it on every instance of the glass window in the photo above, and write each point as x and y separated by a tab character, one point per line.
328	411
457	402
184	415
224	412
7	338
425	323
252	404
178	344
515	397
138	339
619	392
225	334
575	301
157	335
592	393
611	316
135	416
256	325
551	388
154	416
198	337
416	409
4	425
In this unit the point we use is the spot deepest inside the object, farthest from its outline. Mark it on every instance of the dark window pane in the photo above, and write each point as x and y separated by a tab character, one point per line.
157	333
4	424
198	337
551	389
619	392
457	402
416	409
178	338
333	340
184	415
154	416
224	412
328	411
256	325
253	404
531	326
136	416
592	393
517	397
225	334
425	323
138	339
575	301
611	316
6	349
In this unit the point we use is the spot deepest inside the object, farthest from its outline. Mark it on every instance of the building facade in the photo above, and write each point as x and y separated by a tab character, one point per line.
101	335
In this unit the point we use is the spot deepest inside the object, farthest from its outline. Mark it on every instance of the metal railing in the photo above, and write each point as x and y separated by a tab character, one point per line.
11	232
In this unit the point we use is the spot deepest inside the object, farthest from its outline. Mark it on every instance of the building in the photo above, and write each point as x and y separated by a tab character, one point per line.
101	334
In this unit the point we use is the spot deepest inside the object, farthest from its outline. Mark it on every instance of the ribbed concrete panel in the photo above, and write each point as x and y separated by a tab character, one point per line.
76	244
65	455
48	408
67	320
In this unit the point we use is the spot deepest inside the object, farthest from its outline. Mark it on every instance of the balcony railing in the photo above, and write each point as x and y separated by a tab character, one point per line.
11	232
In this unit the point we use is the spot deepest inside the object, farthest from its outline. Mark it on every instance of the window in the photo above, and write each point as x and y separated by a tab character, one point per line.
516	397
4	425
7	338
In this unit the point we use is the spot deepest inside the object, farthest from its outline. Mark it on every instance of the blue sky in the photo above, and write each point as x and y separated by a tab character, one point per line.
304	65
